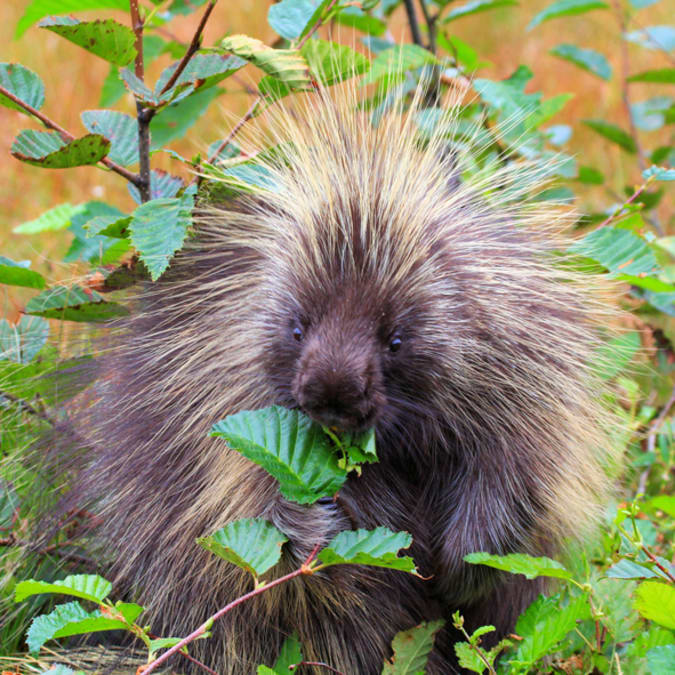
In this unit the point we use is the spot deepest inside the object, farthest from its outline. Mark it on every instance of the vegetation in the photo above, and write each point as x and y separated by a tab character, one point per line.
612	604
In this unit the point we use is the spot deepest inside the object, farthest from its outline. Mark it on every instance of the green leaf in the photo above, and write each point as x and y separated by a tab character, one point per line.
520	563
616	354
656	601
290	654
21	342
654	37
39	8
357	18
60	669
105	37
612	133
565	8
619	251
163	643
24	84
378	547
250	543
588	59
544	624
159	228
662	75
590	176
287	65
202	71
73	304
65	620
650	115
660	660
120	129
411	649
56	218
664	503
110	225
86	586
629	569
331	62
89	248
17	274
173	121
474	7
659	173
468	657
48	150
289	446
289	18
398	59
162	184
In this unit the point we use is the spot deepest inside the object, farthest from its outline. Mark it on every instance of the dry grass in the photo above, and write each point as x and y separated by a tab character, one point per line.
73	79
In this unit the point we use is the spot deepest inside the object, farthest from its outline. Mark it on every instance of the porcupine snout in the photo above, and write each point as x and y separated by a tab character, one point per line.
338	382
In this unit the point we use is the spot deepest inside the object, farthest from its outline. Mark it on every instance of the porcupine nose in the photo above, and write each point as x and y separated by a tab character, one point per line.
335	399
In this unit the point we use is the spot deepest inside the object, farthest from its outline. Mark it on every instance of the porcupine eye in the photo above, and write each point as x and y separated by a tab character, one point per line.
298	334
395	342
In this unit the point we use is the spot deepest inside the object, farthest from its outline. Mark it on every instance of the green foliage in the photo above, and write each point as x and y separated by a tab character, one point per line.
48	150
411	649
519	563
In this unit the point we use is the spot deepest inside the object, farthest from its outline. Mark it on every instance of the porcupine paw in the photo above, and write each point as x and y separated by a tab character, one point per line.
307	525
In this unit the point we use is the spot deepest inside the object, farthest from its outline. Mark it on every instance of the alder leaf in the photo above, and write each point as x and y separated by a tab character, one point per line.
411	649
24	84
565	8
17	274
120	129
86	586
74	304
48	150
520	563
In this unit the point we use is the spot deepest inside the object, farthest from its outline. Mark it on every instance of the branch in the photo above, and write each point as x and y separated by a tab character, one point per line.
630	200
303	569
653	558
247	116
317	25
431	26
412	20
67	136
143	115
194	46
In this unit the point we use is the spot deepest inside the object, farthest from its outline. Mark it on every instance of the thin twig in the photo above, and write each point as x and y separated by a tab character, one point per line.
66	135
143	115
654	559
430	20
630	200
317	25
194	46
247	116
625	68
303	569
412	21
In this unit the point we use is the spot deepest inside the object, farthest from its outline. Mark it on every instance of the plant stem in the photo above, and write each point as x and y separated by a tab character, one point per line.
194	46
67	136
303	569
653	558
316	26
630	200
247	116
143	115
412	21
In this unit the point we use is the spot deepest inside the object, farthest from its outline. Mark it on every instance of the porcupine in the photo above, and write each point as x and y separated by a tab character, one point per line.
373	284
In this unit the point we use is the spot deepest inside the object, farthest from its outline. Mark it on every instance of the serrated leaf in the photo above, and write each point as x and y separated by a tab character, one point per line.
588	59
331	62
24	84
86	586
661	660
73	304
289	446
612	133
660	75
396	60
48	150
290	654
106	38
654	37
476	6
411	649
629	569
656	601
40	8
544	624
17	274
250	543
21	342
139	89
65	620
158	229
89	248
378	547
468	657
520	563
202	71
162	643
173	121
565	8
287	65
659	173
120	129
56	218
129	610
619	251
289	18
162	184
